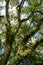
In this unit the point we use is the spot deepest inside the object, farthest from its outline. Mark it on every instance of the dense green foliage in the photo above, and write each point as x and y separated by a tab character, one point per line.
21	32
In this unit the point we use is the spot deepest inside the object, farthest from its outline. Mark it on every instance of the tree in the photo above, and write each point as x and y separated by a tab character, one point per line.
18	35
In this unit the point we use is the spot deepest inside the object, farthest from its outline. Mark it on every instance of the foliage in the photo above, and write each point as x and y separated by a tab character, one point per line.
21	32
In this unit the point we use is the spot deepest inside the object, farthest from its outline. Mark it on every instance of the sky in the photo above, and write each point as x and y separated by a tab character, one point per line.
2	12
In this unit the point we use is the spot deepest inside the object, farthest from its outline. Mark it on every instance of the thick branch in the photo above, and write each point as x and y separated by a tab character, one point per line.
8	38
24	53
31	33
29	50
5	56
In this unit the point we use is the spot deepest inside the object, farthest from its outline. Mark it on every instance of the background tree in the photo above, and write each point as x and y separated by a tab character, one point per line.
21	30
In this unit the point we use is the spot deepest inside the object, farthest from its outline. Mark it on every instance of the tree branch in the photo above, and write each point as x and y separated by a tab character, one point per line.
19	15
29	50
24	53
31	15
21	4
27	17
8	38
31	33
39	12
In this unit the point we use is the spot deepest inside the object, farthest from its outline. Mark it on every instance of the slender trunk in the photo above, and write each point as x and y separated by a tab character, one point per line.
6	55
